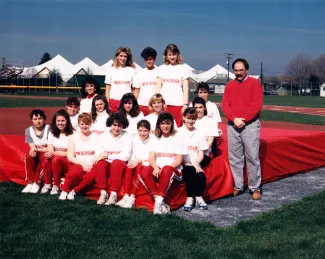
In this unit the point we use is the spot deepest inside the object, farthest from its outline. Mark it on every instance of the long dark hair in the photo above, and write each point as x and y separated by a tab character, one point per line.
135	111
200	100
93	106
68	128
89	80
164	116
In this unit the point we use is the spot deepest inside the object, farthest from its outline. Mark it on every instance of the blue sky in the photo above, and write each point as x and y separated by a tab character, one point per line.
265	31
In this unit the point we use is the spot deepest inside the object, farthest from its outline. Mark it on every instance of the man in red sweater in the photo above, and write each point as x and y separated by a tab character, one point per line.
242	102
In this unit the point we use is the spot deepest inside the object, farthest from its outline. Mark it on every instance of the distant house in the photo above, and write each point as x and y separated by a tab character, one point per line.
217	85
322	90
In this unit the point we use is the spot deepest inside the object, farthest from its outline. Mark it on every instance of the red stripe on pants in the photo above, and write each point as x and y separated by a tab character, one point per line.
131	179
165	180
113	105
36	167
60	166
176	111
145	110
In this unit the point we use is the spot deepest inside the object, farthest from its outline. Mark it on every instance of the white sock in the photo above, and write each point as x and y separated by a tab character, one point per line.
159	199
103	192
114	193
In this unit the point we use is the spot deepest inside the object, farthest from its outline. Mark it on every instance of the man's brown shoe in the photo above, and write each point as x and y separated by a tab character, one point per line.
256	195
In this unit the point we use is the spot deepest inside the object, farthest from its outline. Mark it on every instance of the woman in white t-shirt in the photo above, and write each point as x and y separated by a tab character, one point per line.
139	159
156	105
145	81
89	89
81	155
208	126
119	77
99	114
165	158
172	82
194	161
60	130
130	109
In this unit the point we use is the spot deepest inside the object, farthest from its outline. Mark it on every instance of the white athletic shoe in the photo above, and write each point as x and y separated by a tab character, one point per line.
201	203
55	190
102	198
27	188
189	204
129	204
157	209
71	195
111	200
46	188
63	196
35	188
122	201
165	208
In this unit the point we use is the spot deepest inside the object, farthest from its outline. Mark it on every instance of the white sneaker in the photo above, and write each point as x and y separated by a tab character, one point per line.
111	200
165	208
158	207
189	204
63	196
129	204
122	201
46	188
71	195
102	198
35	188
27	188
201	203
55	190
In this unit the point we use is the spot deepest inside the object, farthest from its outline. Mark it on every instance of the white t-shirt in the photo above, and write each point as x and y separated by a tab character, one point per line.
152	118
99	125
85	104
74	121
40	142
146	81
85	148
167	149
172	77
60	143
195	141
209	127
212	111
120	79
141	149
133	121
116	147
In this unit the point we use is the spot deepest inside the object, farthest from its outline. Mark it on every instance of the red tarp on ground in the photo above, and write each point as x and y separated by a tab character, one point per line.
282	152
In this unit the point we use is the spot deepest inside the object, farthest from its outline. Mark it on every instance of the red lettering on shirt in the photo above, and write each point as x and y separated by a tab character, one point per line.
169	80
121	82
112	152
98	132
148	83
169	155
192	147
85	153
60	149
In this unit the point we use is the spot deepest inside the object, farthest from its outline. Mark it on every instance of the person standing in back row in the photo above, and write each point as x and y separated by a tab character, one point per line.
242	102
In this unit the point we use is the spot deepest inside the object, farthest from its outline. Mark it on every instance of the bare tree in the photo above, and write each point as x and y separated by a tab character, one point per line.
89	71
318	67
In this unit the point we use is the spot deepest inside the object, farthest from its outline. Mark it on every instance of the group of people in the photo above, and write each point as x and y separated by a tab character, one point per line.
142	132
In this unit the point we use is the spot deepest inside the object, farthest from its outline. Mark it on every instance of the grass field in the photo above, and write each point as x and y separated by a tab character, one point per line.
37	226
23	102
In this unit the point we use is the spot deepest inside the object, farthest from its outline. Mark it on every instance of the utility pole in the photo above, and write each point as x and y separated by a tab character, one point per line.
228	57
261	76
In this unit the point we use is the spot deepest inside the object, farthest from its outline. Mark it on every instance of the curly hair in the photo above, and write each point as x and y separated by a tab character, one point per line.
89	80
68	128
118	118
93	106
135	111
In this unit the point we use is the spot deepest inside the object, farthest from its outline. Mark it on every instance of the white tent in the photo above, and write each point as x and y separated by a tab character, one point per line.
87	65
102	70
216	71
188	67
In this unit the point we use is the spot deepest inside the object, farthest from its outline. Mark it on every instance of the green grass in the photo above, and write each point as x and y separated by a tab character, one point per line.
298	101
23	102
37	226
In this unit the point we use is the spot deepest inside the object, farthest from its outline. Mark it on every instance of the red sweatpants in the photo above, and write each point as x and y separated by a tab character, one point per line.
113	105
176	111
165	180
60	167
37	167
144	110
77	179
114	171
131	179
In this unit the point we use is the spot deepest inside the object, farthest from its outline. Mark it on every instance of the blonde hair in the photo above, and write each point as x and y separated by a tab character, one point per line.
175	50
154	98
129	61
85	118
